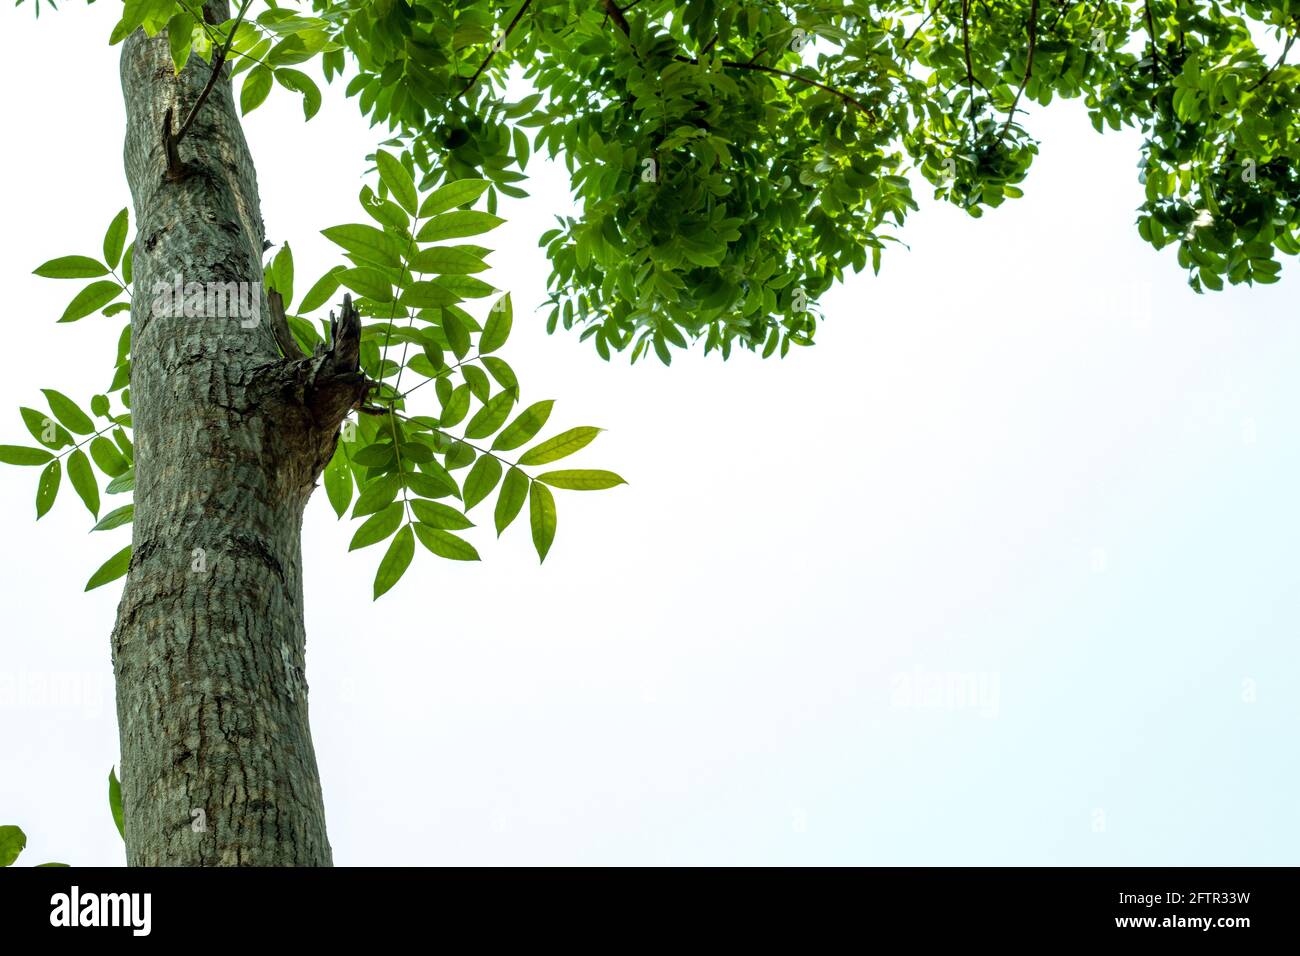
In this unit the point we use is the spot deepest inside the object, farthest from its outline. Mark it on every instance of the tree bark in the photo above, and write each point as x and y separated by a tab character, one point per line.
218	767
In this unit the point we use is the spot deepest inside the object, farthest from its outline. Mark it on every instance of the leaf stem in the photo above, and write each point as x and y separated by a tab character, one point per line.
68	451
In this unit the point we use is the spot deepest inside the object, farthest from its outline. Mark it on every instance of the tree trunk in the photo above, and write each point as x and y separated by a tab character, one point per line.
218	767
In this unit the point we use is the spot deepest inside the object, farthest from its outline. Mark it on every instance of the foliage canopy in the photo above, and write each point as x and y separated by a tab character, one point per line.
732	161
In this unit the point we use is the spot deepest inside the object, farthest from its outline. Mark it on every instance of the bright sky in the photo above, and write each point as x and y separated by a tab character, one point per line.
1002	571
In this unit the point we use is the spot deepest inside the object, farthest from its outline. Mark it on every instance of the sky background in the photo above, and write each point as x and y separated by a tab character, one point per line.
1003	570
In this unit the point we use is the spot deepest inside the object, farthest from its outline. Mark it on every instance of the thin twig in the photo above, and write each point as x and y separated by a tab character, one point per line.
500	42
441	373
1029	68
1151	32
965	42
1272	69
919	27
218	61
970	72
613	11
737	65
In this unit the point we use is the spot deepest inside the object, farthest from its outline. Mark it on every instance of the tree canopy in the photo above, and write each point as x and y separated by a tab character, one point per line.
732	161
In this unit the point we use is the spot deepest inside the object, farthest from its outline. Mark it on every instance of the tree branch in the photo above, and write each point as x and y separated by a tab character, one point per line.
1151	32
614	13
171	142
965	42
1029	68
858	104
496	44
912	36
218	61
280	328
1290	40
335	383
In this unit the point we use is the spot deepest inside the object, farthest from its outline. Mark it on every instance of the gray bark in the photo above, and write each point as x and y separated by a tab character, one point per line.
218	767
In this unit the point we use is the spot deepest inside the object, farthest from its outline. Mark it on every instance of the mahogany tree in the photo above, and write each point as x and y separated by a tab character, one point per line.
731	159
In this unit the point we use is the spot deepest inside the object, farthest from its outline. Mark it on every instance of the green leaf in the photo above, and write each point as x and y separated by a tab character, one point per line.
396	560
446	261
48	487
480	481
491	416
371	283
124	443
99	405
12	842
446	197
121	483
457	407
561	446
377	455
108	458
338	481
445	544
433	481
300	82
378	527
437	515
455	225
319	293
456	333
378	493
180	38
477	381
541	513
68	412
582	479
115	239
21	455
44	428
92	297
283	269
415	451
528	423
500	370
424	294
465	286
514	491
394	175
112	569
428	486
384	211
459	455
116	518
366	242
115	801
71	267
497	329
83	481
256	88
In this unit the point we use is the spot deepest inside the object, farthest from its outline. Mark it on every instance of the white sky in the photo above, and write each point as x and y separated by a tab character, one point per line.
1026	455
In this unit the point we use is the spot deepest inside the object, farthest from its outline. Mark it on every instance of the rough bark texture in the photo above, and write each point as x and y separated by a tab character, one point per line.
218	766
